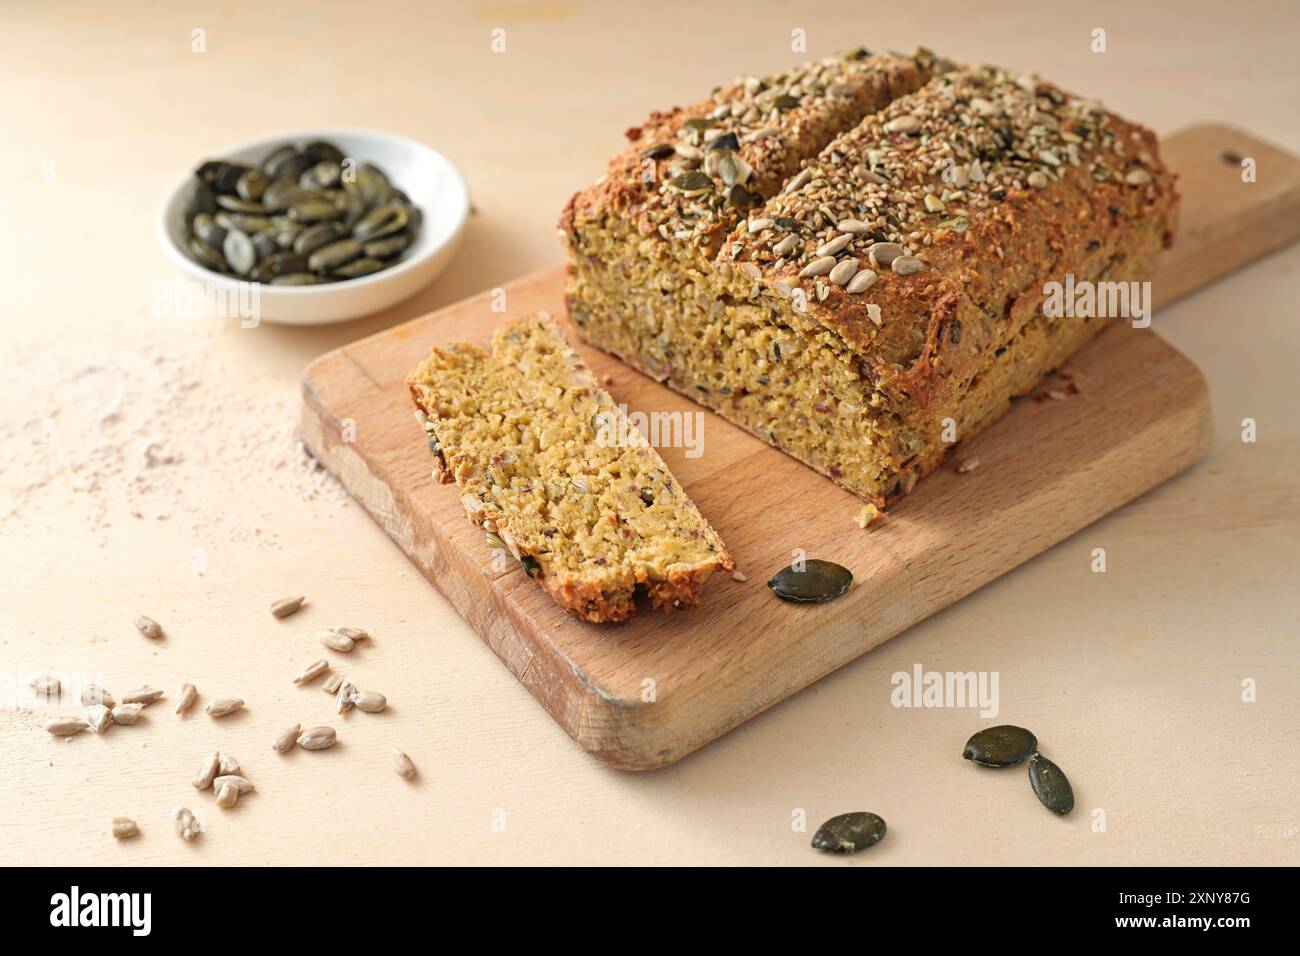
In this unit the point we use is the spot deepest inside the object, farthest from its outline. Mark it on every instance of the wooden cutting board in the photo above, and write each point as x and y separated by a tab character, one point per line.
646	693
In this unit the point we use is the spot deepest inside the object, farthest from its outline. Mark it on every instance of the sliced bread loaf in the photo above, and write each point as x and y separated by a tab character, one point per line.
523	433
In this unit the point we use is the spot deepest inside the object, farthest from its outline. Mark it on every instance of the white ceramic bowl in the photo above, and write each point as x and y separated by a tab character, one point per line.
424	174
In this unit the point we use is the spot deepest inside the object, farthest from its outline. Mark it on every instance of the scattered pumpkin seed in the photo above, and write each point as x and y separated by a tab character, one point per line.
124	828
67	727
318	738
1050	785
818	582
372	702
223	706
849	832
1002	746
148	627
185	698
312	671
186	823
403	764
287	738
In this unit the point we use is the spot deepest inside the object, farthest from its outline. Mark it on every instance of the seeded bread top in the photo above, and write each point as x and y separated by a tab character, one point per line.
968	190
692	173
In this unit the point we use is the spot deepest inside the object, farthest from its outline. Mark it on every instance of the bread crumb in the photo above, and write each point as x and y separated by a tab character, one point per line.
739	576
868	516
1056	394
968	464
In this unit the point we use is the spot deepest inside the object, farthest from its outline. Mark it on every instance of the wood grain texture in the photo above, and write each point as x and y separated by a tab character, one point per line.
1047	469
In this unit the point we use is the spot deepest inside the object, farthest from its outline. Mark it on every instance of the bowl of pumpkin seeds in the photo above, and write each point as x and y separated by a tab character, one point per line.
326	224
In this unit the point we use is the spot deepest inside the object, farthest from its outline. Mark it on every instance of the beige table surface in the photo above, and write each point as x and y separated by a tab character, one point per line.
1132	679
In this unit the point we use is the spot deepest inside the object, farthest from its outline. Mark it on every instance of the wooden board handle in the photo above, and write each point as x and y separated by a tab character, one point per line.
1225	223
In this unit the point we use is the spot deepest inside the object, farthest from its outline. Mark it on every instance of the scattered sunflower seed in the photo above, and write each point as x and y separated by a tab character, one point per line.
186	823
1001	746
286	606
370	701
335	641
242	784
227	764
312	671
347	696
849	833
403	764
93	694
45	686
353	633
227	796
143	695
148	627
333	683
739	576
68	727
99	717
318	738
288	737
185	698
819	581
127	714
223	706
1050	785
124	828
208	771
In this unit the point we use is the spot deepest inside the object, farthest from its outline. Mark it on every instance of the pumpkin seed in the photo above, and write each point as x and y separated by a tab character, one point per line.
235	204
318	738
313	210
849	833
265	246
692	183
243	784
251	185
124	828
207	230
99	717
67	727
186	823
227	796
323	175
224	706
818	582
321	149
282	194
1001	746
371	702
386	247
380	222
93	694
249	225
185	698
334	255
282	160
287	738
206	256
148	627
1050	785
335	641
200	198
127	714
208	771
403	764
239	252
227	764
357	268
143	695
298	278
371	185
312	671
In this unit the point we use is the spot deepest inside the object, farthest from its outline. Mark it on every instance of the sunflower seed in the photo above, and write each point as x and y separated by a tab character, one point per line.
335	641
186	823
818	267
333	683
99	717
906	265
284	743
1050	785
1001	746
370	701
834	246
312	671
208	771
223	706
185	698
843	271
127	714
143	695
906	123
318	738
148	627
44	686
819	581
227	764
967	465
93	694
862	280
347	697
849	833
355	633
243	784
227	796
67	727
403	764
124	828
883	253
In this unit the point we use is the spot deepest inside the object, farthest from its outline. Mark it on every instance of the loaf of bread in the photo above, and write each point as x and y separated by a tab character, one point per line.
849	259
549	466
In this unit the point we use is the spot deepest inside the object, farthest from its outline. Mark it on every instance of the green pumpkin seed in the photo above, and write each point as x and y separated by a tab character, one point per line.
242	221
387	247
1050	785
252	184
206	256
313	210
358	268
1001	746
334	255
239	251
206	228
691	183
818	582
849	833
298	278
283	193
380	222
288	162
658	151
321	150
200	198
271	164
323	175
264	243
318	236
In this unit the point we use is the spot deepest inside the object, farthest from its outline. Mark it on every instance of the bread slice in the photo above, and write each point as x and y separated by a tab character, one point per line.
533	444
885	301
